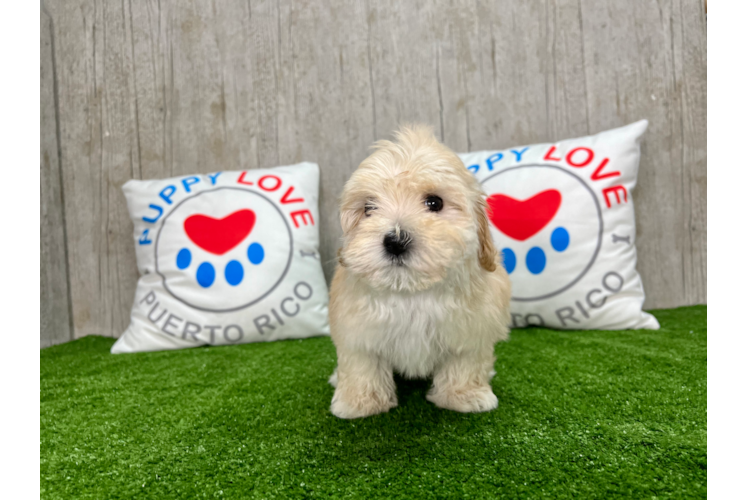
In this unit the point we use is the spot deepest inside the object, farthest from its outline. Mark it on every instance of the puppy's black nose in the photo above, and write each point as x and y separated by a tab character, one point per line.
396	245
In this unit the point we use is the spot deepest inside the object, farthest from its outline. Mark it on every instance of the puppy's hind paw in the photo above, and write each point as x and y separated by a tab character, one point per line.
472	400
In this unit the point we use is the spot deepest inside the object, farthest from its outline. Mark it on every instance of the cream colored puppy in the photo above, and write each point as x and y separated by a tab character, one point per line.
420	289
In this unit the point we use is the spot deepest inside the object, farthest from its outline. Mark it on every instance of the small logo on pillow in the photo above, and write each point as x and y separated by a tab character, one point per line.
547	245
217	239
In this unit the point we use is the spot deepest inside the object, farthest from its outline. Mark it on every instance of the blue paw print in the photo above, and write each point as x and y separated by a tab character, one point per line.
535	259
255	253
233	272
206	274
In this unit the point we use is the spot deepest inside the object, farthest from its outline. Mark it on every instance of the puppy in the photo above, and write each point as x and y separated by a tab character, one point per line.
419	288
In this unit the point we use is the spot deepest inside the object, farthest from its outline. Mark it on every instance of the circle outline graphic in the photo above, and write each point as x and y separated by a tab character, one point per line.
599	233
251	303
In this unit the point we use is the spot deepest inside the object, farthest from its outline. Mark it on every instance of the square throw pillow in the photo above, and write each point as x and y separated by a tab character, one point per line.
563	218
226	258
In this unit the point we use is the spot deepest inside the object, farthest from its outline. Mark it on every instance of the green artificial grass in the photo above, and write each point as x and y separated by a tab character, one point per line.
582	414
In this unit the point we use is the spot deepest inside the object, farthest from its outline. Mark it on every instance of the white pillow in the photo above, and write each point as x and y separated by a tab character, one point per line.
563	217
226	258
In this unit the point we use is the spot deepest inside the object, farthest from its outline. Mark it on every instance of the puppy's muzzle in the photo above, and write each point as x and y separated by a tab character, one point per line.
396	244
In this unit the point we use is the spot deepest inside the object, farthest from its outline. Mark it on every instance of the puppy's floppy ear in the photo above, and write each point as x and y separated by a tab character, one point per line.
486	248
349	217
340	258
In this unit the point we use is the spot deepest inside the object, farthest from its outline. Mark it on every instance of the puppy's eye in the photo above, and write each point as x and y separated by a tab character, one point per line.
433	203
368	208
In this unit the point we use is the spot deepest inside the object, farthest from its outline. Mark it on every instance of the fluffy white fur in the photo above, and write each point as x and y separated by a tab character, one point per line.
440	309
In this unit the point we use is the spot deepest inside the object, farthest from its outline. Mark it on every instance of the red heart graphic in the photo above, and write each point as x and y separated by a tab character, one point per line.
521	219
218	236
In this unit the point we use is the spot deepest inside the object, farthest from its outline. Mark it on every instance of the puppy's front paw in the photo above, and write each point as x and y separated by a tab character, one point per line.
470	400
361	406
